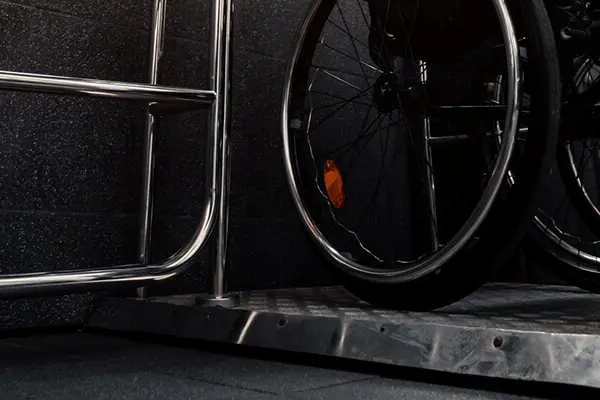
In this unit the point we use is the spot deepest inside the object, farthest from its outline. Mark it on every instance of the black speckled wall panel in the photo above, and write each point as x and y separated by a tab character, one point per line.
185	18
258	184
268	27
70	167
38	241
49	42
69	154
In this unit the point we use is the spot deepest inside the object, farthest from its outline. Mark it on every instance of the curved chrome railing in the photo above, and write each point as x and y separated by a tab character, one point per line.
215	207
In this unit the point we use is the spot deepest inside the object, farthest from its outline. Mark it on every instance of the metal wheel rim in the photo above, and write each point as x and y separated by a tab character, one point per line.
434	261
585	256
552	236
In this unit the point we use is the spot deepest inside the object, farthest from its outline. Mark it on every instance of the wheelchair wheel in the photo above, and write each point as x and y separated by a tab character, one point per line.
387	110
568	223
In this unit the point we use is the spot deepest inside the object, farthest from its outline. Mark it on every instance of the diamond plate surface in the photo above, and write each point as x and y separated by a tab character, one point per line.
502	303
515	306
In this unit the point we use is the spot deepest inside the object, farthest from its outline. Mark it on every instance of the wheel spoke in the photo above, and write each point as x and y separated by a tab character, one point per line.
354	101
349	101
353	43
362	63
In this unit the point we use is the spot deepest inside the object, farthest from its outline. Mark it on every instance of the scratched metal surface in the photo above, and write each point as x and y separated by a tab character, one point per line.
549	334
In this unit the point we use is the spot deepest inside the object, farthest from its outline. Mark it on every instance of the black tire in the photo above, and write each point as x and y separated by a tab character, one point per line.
510	218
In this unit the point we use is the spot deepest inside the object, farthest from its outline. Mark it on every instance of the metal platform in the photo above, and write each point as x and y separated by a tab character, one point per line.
537	333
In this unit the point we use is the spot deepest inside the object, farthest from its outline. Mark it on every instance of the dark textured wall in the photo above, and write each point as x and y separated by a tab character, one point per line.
70	167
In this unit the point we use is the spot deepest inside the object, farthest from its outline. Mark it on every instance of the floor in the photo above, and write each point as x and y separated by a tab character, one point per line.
89	366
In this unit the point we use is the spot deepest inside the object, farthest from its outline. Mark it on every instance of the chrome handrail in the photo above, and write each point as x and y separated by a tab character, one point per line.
24	82
215	208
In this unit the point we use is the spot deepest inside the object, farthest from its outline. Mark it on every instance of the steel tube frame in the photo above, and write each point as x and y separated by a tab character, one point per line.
157	31
52	84
220	76
426	168
216	199
218	280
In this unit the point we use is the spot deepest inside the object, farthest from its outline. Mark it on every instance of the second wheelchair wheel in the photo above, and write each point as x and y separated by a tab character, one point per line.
568	222
387	108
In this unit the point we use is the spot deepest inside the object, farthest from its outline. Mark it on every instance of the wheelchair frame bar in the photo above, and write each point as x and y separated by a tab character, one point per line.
215	207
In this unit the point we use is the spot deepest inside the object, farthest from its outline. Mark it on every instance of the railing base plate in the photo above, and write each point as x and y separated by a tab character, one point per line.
227	301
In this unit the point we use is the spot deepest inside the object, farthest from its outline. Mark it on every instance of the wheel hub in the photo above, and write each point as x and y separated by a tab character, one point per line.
386	92
391	93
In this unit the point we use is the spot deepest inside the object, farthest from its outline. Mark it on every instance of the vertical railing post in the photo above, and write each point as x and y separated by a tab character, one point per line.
157	34
220	121
427	167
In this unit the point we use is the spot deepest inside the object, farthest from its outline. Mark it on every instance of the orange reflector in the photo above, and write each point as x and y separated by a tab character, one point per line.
333	184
